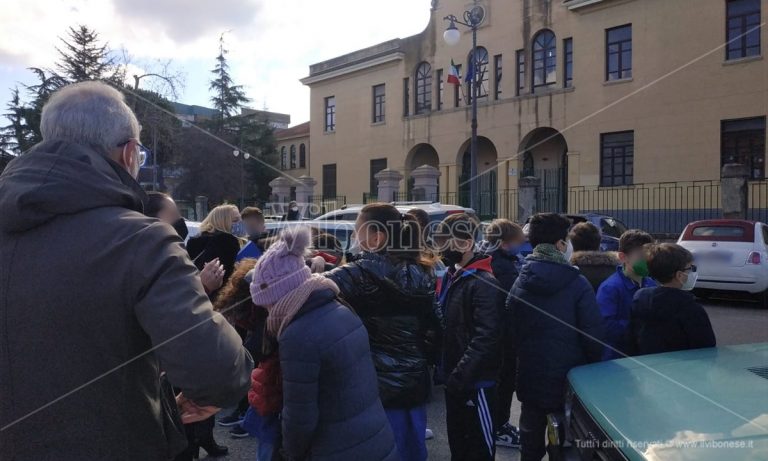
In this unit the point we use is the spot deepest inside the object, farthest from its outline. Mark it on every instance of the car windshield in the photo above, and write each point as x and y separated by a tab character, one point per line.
718	231
612	227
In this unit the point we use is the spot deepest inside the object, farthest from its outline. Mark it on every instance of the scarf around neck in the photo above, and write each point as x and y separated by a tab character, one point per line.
284	310
548	252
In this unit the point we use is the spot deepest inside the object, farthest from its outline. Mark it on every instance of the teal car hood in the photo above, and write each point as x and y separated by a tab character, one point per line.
702	404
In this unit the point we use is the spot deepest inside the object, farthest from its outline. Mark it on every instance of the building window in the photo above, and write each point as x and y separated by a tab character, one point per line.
293	156
618	53
378	103
377	165
617	158
423	88
481	74
743	141
457	88
743	28
544	59
283	158
568	63
497	65
302	156
406	97
329	180
440	89
330	114
520	55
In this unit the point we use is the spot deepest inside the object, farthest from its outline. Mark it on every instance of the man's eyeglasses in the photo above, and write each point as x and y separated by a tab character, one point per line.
691	268
143	152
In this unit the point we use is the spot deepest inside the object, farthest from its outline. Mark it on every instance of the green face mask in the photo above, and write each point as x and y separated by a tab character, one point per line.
640	268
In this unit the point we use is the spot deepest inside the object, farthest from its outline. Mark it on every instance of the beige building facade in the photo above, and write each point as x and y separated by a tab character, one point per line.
612	105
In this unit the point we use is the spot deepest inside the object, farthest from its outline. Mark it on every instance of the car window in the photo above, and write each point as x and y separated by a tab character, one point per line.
612	227
765	235
718	231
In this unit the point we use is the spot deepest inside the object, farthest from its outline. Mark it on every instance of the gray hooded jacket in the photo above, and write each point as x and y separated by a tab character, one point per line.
96	300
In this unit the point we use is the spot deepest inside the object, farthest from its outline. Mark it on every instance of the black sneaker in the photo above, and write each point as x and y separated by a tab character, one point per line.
508	436
231	420
239	433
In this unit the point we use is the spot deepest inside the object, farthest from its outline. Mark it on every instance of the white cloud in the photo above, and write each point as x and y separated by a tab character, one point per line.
271	43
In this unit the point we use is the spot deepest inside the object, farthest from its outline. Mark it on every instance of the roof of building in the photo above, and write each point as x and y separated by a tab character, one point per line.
381	53
265	115
191	109
298	131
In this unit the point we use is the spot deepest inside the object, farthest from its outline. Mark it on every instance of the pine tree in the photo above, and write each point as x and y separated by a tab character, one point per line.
84	57
16	137
227	97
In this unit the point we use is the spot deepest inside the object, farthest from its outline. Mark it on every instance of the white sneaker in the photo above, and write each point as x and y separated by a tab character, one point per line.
429	435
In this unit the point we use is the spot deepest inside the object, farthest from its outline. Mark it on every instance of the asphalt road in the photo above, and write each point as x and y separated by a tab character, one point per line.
735	322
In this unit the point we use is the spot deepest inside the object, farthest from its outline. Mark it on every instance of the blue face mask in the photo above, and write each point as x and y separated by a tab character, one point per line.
238	229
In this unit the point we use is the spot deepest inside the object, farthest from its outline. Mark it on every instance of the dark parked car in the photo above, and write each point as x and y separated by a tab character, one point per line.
610	230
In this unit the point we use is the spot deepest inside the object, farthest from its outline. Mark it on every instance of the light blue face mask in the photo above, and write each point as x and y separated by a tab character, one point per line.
238	229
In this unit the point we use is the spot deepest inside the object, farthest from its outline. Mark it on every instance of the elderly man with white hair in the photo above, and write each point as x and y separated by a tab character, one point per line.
96	299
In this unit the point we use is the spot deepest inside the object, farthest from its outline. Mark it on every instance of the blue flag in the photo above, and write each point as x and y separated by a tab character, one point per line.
470	72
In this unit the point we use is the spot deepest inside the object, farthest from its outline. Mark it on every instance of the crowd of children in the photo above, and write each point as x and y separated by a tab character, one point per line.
423	296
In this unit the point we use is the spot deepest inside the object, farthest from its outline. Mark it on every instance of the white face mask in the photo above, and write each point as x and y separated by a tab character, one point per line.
690	282
568	251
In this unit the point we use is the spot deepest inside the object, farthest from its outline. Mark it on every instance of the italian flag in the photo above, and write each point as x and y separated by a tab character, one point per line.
453	74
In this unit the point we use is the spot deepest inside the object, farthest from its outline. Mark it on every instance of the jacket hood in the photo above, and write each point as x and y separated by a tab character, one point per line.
479	263
62	178
595	258
656	302
546	277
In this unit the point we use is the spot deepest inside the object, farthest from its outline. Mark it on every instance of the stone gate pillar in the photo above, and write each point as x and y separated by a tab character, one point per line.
304	192
389	184
733	190
426	180
528	196
281	189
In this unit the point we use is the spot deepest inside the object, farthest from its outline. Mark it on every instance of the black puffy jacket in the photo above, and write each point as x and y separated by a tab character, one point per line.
396	302
472	302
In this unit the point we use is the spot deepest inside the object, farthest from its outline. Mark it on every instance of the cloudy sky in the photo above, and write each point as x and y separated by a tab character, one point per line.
271	42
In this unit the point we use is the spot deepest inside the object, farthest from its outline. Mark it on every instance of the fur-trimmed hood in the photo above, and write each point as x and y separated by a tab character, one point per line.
595	258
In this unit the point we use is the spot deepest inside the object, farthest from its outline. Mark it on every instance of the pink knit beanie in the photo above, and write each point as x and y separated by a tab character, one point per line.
282	268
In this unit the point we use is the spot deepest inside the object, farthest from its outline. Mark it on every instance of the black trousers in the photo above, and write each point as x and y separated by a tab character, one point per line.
533	430
470	424
507	382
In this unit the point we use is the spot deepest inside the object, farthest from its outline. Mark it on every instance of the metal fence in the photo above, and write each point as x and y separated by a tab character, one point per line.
757	201
319	205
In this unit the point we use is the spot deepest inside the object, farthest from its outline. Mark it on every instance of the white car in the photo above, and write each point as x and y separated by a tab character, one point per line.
342	230
436	211
730	254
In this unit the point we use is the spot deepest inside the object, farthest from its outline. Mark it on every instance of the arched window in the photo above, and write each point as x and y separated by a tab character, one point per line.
423	88
293	156
283	159
302	156
481	74
544	59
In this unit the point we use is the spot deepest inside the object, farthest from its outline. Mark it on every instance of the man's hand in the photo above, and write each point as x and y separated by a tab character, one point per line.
212	275
191	412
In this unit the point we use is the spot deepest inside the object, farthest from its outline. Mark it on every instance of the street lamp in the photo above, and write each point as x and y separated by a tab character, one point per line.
473	18
246	156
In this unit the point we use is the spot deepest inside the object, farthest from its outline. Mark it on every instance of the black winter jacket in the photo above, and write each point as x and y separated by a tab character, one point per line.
331	407
211	245
596	266
396	302
667	319
554	315
471	301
